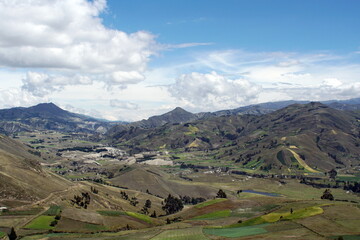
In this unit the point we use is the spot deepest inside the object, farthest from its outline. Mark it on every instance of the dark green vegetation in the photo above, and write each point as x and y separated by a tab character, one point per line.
291	173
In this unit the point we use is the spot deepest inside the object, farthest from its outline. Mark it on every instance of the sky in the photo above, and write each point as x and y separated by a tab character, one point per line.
129	60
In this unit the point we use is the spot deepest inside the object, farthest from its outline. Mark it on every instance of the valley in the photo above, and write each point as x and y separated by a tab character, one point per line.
290	173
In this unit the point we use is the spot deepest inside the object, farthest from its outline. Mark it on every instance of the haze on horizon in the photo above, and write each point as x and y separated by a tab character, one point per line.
129	60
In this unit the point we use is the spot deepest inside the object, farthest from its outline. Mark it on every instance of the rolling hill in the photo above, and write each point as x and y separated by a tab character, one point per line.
21	175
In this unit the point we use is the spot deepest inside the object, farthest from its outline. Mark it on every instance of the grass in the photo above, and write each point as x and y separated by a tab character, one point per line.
41	222
214	215
277	216
210	202
140	216
302	213
254	164
95	227
348	178
181	234
192	131
2	234
302	162
265	208
237	232
53	210
111	213
32	211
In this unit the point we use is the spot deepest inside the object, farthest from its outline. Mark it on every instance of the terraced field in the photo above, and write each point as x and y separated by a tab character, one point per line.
41	223
181	234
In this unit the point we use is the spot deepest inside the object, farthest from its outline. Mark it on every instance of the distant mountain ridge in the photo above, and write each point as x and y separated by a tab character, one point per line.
264	108
315	133
48	116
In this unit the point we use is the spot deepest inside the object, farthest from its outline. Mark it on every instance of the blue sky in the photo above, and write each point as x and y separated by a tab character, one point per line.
129	60
256	25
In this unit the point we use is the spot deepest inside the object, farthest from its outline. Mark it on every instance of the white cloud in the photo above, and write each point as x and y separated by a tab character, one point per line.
41	84
290	75
123	105
213	91
331	83
186	45
14	97
67	37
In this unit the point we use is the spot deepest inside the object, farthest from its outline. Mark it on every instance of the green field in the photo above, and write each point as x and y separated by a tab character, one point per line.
277	216
95	227
140	216
41	222
32	211
213	215
181	234
237	232
348	178
53	211
210	202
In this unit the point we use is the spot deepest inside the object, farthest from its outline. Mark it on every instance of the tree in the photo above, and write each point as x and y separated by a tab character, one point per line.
327	195
144	210
153	215
53	223
94	190
12	235
124	195
147	203
134	201
332	174
221	194
172	205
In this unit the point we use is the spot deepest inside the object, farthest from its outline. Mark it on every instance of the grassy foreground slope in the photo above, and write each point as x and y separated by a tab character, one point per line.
21	176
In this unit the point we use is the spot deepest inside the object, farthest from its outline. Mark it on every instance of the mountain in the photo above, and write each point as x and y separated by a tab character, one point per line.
258	109
268	107
176	116
48	116
179	115
21	175
313	133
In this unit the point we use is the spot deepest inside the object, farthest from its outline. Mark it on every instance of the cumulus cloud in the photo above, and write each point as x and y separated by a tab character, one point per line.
41	84
14	97
123	104
213	91
68	37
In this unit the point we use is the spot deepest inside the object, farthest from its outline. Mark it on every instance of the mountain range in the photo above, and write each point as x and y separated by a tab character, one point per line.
314	133
48	116
269	135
